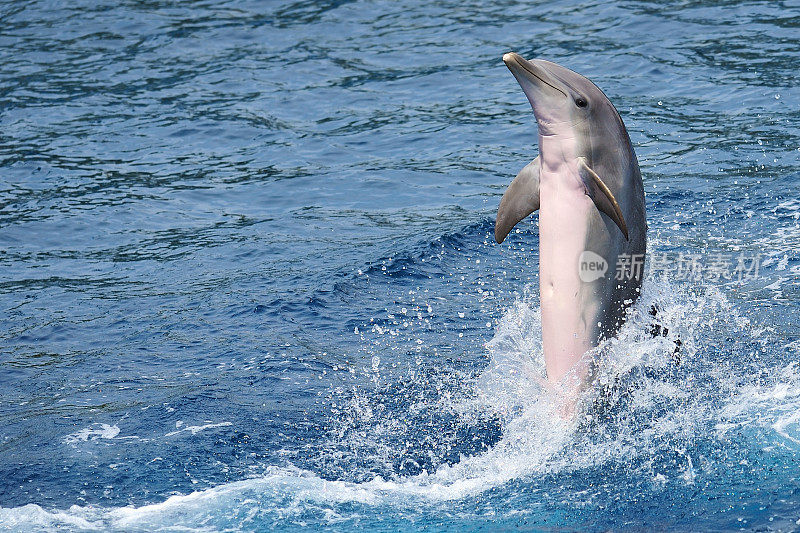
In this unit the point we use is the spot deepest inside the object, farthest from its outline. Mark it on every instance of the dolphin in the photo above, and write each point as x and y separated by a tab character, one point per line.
588	190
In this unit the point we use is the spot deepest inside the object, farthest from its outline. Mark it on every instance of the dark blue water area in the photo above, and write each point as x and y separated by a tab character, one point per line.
248	278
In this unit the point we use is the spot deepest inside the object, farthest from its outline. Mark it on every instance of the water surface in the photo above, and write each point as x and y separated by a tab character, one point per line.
248	279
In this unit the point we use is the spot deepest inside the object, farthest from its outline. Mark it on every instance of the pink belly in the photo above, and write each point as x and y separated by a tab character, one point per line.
567	308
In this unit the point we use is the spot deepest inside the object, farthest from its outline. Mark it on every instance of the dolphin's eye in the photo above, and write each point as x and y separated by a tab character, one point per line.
580	101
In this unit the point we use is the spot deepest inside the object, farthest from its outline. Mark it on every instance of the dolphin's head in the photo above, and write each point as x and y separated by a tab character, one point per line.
561	99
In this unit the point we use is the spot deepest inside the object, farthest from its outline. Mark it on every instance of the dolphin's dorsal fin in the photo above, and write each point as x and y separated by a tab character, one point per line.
601	195
520	200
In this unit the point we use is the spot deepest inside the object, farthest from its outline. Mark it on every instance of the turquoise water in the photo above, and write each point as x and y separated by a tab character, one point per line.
248	279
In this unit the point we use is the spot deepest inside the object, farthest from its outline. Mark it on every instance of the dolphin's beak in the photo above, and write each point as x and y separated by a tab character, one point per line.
532	76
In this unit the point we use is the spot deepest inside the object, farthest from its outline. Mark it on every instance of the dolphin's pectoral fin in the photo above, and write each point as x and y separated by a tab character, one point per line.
601	195
520	200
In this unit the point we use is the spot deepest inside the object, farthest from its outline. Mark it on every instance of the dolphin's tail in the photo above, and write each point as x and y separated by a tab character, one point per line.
657	329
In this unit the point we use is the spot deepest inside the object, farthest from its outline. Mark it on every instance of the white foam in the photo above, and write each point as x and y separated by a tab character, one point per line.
33	517
194	430
773	403
93	432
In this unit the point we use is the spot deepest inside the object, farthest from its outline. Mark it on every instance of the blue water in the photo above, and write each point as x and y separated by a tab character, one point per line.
248	280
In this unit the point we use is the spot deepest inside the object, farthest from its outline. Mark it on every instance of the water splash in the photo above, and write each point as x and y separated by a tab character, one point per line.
666	421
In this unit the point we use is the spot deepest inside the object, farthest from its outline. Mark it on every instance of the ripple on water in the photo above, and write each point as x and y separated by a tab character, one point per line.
249	278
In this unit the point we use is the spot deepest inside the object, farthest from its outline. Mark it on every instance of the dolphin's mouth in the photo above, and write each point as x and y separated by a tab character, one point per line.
512	59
